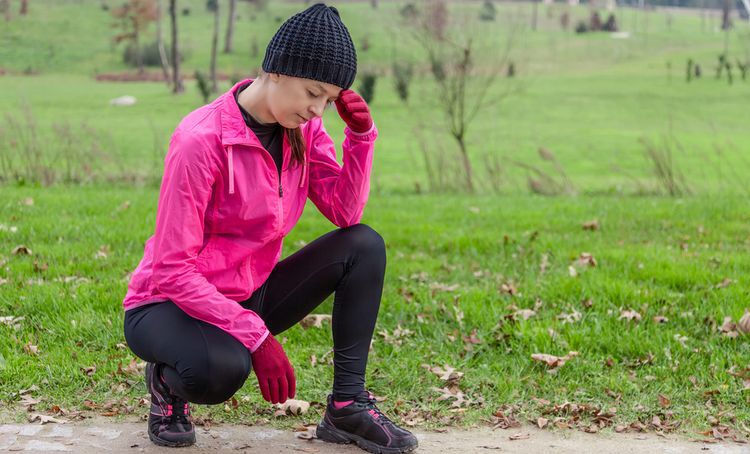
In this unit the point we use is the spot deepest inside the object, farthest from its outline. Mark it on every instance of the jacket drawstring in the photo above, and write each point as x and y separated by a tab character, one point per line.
304	172
231	170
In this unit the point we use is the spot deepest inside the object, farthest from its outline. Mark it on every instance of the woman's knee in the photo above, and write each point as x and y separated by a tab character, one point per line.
216	382
365	239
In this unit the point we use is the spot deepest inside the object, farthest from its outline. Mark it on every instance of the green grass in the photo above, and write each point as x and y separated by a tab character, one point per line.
587	98
640	266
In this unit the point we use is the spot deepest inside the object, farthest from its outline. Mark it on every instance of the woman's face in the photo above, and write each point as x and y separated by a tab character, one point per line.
295	100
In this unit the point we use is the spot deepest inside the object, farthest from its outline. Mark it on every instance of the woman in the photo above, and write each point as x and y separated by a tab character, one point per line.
205	303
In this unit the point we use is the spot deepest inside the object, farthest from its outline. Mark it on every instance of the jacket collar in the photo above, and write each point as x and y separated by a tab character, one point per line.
234	131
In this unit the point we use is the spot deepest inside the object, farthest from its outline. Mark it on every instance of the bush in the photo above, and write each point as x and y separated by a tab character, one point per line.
149	55
611	24
402	75
185	11
367	86
409	11
203	85
596	22
488	12
581	27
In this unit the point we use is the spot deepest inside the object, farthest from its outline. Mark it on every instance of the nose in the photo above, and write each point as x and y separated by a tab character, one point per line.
317	109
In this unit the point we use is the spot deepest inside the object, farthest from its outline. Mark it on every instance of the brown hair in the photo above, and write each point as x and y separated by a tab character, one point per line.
294	136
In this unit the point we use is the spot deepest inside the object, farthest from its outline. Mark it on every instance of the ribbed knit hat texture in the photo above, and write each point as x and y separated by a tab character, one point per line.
313	44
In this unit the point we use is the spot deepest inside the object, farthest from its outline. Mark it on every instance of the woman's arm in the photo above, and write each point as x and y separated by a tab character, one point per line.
341	193
185	193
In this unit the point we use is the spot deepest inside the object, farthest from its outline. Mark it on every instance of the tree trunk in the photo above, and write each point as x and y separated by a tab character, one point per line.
5	8
214	46
229	41
177	86
24	7
160	42
726	12
467	165
138	53
535	4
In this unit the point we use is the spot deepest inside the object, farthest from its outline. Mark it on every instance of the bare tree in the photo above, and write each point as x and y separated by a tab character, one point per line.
214	46
229	40
463	85
177	86
160	42
134	18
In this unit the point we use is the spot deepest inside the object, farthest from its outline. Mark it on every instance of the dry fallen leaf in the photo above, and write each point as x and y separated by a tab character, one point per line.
314	320
664	401
524	314
630	315
519	436
660	319
44	419
448	374
542	422
744	324
553	361
585	260
544	264
293	407
307	432
21	250
509	289
31	349
591	225
725	283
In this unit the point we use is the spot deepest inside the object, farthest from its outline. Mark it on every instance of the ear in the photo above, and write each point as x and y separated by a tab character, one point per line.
274	77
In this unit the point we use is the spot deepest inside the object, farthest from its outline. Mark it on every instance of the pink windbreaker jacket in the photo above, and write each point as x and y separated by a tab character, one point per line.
223	213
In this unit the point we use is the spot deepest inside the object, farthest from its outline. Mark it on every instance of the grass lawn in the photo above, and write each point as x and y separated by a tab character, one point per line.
444	304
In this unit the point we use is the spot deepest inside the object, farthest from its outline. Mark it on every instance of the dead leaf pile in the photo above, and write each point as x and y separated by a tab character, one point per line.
505	417
397	337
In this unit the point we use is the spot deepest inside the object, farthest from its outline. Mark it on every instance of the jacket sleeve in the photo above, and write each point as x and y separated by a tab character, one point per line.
185	192
340	193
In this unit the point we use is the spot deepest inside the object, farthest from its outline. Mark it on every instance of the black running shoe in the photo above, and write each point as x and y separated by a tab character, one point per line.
169	422
361	422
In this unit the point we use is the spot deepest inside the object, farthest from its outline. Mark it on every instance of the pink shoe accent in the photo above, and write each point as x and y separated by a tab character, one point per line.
339	405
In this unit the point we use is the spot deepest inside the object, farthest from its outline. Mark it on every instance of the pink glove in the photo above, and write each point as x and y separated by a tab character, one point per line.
275	373
354	111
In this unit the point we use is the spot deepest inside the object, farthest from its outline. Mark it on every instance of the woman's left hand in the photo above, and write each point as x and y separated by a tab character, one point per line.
354	111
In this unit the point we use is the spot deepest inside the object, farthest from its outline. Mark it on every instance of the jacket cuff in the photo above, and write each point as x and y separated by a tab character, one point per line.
369	135
260	341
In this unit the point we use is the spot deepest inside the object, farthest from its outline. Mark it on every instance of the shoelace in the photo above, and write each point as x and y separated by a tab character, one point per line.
180	410
370	404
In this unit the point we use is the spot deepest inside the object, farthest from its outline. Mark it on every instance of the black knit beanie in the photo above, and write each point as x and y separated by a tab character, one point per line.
313	44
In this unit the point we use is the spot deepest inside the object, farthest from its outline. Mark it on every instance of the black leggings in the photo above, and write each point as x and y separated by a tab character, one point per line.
206	365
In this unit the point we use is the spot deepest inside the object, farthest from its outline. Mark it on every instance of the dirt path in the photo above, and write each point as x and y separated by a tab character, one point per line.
102	435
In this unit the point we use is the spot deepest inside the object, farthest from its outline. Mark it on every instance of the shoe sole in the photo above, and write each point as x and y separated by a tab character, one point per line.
169	444
331	434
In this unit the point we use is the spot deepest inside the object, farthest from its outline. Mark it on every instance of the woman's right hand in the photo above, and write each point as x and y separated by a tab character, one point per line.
274	371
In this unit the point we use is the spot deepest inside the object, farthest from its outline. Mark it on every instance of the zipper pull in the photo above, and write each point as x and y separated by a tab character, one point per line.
281	191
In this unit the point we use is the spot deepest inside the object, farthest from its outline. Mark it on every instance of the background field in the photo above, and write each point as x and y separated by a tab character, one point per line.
453	258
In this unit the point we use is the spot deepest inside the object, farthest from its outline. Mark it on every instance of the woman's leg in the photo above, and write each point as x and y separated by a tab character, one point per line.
200	362
350	262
